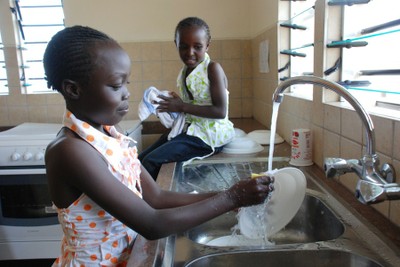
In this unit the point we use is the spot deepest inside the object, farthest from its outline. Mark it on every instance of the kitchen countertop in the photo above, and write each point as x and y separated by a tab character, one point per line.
144	251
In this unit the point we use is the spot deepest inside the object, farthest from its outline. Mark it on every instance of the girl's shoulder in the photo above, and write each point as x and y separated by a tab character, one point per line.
213	64
61	157
66	141
215	68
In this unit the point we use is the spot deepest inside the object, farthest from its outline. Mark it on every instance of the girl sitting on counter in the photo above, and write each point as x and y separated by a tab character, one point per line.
203	100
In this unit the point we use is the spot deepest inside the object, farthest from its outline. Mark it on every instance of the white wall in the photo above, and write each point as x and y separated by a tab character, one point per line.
155	20
262	15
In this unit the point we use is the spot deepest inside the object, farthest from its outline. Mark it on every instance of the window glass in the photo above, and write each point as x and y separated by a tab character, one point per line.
302	43
40	20
3	74
381	53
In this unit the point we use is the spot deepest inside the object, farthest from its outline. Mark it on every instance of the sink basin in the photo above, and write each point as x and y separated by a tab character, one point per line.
313	222
293	258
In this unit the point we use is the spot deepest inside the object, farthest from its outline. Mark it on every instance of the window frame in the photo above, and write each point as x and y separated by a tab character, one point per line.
3	71
371	96
303	8
32	49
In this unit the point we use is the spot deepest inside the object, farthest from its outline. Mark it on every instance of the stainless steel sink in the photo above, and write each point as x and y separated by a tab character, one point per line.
313	222
293	258
326	231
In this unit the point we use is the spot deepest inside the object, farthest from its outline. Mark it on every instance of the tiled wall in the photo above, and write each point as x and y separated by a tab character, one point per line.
153	64
17	108
157	64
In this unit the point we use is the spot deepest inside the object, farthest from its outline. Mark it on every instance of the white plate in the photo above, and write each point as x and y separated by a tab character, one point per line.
290	186
263	137
242	145
256	149
235	241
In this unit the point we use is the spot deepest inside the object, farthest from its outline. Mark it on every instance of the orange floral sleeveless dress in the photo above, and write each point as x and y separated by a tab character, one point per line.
93	237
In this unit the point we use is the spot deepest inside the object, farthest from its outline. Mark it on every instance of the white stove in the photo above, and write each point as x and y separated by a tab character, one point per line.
29	226
25	144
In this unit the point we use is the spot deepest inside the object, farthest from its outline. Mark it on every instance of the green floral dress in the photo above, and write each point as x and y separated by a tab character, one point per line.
214	132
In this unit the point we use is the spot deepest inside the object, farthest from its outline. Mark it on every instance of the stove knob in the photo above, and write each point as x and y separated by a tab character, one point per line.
27	156
39	156
15	156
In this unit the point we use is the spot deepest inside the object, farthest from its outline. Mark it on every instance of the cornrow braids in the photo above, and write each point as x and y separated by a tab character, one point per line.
190	22
67	55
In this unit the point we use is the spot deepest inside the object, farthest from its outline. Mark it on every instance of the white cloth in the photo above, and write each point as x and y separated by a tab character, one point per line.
171	120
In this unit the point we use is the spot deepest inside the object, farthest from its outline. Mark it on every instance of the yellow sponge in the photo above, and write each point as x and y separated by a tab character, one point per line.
255	175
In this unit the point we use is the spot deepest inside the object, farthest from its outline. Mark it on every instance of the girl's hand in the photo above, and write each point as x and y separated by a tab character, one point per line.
252	191
170	104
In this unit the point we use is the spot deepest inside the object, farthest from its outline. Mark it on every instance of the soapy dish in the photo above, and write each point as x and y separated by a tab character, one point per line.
263	137
265	220
242	145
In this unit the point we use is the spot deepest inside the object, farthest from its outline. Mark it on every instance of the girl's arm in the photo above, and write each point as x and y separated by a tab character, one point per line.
162	199
80	168
189	210
218	87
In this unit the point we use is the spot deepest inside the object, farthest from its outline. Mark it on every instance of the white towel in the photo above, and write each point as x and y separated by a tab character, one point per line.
171	120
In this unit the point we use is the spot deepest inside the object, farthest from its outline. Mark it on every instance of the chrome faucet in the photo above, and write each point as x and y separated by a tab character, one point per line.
374	186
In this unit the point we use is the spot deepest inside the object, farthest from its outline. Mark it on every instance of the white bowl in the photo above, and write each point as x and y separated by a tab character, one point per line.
267	219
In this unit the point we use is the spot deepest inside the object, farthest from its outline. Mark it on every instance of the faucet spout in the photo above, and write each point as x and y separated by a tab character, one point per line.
340	90
366	167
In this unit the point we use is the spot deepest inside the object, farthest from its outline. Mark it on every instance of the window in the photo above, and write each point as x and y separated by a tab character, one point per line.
371	71
3	74
39	20
301	52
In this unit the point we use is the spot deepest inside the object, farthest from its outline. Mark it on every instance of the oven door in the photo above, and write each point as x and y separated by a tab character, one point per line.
26	212
29	227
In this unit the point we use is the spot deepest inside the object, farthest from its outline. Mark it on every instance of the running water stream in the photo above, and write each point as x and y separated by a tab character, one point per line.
274	117
258	223
256	228
275	108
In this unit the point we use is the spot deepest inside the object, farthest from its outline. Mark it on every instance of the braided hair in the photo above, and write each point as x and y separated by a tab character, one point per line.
191	22
68	56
